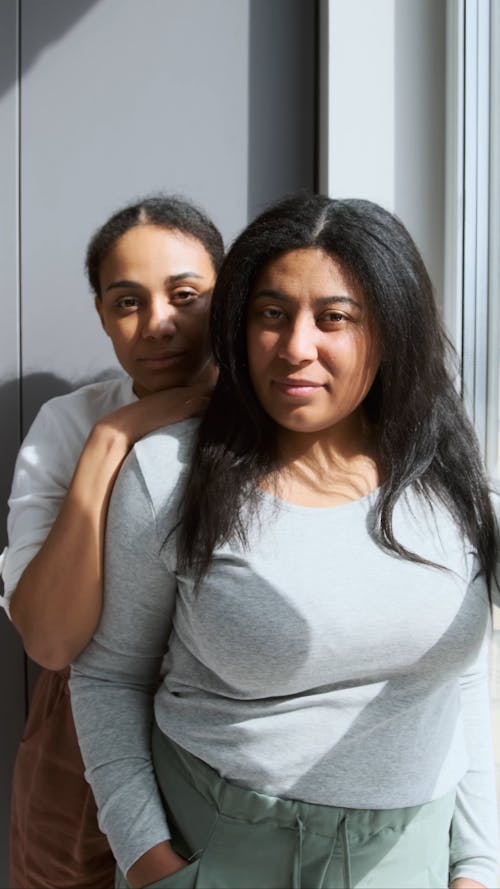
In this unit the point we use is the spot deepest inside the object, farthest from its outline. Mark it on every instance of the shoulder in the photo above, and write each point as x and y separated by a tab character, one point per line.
163	458
59	431
89	403
65	422
426	527
148	490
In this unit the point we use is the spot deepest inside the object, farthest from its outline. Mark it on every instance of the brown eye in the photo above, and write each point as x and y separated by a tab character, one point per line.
127	302
184	296
272	313
333	317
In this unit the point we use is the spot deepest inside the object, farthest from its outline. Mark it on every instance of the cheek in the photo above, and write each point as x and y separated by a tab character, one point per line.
197	339
194	325
357	358
123	335
261	346
371	362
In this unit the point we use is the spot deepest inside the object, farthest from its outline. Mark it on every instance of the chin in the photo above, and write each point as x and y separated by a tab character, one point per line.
164	383
297	425
298	415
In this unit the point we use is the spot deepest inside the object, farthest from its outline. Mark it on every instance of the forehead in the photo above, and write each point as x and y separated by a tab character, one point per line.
147	247
307	272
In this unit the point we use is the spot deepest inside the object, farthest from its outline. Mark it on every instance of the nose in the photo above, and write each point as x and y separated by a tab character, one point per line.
298	342
159	320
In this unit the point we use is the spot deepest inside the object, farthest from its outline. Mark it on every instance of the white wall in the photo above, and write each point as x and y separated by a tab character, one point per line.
383	112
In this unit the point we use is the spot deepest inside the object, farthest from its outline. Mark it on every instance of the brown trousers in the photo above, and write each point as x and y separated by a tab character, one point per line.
55	842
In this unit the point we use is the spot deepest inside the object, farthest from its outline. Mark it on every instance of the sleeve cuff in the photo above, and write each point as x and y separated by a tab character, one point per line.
5	598
482	871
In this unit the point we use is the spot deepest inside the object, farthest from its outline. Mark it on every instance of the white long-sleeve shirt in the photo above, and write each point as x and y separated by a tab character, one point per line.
45	466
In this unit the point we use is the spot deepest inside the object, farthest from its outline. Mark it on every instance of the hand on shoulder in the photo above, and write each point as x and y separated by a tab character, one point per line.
130	423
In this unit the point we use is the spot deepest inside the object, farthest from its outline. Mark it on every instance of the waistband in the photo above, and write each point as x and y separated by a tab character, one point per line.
240	802
344	826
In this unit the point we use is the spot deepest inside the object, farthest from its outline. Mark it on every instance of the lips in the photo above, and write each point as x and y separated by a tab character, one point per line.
162	361
299	388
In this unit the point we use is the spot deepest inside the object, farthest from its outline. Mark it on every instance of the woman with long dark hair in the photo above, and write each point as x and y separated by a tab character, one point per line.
308	572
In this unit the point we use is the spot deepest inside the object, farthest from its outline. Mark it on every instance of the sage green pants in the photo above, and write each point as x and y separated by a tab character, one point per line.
238	839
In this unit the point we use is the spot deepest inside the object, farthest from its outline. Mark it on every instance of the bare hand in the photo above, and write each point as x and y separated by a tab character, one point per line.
466	883
134	421
159	862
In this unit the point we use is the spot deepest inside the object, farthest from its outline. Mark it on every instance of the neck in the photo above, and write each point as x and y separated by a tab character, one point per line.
328	467
348	439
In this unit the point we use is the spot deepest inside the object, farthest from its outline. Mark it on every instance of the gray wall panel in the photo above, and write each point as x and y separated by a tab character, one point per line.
12	704
282	100
420	58
134	97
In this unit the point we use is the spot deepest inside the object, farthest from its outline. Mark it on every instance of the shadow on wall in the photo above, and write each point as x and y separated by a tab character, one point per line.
282	100
49	22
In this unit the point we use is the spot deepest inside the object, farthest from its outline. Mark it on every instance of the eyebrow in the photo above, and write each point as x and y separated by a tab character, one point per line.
320	300
172	279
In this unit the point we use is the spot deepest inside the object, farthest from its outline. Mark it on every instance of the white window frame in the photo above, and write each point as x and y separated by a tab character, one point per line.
358	89
493	416
476	148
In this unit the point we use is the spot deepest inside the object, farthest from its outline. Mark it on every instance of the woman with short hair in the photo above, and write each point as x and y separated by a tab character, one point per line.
152	267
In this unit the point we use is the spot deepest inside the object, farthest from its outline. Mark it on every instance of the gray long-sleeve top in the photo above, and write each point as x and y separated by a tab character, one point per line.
312	665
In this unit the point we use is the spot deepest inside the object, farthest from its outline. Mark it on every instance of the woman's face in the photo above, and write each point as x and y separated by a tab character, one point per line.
156	286
312	347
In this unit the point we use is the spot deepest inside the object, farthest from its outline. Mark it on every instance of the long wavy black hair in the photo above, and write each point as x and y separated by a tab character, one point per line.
424	437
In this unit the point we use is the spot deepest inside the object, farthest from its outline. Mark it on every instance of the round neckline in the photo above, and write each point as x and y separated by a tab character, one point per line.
366	499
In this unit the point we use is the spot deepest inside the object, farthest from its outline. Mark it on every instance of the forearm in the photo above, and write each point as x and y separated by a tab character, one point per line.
57	602
112	702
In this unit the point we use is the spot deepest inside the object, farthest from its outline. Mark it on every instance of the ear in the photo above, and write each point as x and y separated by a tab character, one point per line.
99	310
